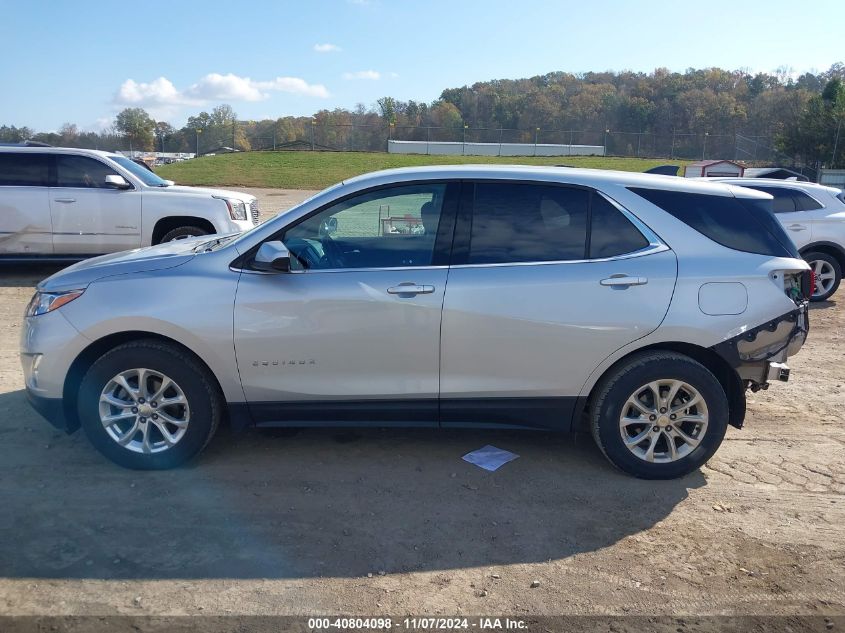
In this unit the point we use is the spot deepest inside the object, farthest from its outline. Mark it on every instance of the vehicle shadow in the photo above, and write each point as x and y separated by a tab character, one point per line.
822	305
309	503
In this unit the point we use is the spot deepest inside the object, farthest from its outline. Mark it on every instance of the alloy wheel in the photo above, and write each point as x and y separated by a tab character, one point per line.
144	410
663	421
825	276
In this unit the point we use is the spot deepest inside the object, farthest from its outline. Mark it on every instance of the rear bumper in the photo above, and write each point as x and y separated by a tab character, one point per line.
51	409
755	352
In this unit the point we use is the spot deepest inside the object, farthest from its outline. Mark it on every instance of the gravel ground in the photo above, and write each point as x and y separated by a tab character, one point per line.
393	522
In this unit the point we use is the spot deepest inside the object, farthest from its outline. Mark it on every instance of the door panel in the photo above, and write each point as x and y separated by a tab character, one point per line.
354	335
339	335
25	226
798	225
540	330
95	221
88	217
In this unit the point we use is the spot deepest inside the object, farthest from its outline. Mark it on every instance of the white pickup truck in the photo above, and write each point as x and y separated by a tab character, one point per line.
66	204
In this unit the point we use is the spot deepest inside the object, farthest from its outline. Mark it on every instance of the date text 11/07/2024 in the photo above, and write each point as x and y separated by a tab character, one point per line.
416	624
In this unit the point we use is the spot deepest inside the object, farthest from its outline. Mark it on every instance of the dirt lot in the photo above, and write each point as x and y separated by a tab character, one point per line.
296	522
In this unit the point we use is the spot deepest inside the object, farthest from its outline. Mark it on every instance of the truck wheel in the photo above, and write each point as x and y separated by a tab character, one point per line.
149	405
828	274
182	232
660	415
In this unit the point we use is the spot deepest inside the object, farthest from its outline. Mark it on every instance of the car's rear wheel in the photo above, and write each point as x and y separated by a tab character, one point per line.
828	274
183	233
659	415
149	405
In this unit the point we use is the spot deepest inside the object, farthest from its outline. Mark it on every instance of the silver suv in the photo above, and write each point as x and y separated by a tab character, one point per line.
640	307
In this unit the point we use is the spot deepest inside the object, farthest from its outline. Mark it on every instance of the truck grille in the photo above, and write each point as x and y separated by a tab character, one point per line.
253	209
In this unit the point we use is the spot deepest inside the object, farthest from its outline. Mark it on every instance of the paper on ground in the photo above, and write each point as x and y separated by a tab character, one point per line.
489	457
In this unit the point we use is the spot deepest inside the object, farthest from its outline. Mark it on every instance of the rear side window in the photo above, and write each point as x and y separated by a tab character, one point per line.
24	169
514	222
611	233
743	225
79	171
789	200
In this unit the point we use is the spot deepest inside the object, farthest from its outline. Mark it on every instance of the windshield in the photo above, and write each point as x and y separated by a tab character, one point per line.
142	174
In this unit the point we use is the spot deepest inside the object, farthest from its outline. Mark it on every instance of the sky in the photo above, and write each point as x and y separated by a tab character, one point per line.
82	61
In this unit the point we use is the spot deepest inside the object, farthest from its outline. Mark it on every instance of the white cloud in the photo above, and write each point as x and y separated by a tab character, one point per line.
162	98
363	74
294	85
160	91
327	48
215	86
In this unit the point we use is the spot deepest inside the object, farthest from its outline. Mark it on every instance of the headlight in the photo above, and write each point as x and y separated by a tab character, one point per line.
237	208
43	302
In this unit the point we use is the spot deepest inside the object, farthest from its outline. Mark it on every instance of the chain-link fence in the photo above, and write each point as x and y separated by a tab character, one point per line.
374	138
249	136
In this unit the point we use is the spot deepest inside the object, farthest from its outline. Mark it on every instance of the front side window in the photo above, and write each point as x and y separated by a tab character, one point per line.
80	171
514	222
384	228
24	169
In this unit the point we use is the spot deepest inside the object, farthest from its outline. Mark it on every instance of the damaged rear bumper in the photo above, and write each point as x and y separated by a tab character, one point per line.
758	355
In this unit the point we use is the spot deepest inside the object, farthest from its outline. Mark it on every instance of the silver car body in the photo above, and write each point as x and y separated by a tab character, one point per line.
74	222
483	346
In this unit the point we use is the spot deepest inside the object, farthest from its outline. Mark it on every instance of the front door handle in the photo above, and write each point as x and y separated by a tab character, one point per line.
410	288
623	281
64	200
797	227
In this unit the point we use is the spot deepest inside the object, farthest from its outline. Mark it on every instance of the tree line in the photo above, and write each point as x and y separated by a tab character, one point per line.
802	115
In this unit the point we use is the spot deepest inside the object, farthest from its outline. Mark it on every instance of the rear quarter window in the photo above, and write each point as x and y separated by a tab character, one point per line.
24	169
740	224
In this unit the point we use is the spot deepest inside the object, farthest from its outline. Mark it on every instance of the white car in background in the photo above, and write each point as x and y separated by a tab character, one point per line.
814	217
67	204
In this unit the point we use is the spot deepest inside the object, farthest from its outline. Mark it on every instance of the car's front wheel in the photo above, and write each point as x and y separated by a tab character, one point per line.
149	405
183	233
828	274
659	415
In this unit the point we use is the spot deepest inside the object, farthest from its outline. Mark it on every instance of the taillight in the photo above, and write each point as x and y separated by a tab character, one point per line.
808	284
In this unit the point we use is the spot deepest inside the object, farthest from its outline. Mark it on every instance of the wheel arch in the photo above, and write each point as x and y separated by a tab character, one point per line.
718	366
95	350
171	222
829	248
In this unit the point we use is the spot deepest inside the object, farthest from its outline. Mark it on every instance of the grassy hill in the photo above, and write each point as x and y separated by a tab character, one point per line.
316	170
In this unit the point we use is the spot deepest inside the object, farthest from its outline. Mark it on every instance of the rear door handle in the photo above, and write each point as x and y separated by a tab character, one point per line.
623	281
64	200
410	288
797	227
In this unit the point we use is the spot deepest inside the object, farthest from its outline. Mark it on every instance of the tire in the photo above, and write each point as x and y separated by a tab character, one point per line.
632	378
826	265
182	232
148	448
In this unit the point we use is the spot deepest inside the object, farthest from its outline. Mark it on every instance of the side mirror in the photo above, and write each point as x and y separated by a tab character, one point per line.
117	182
272	257
169	183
